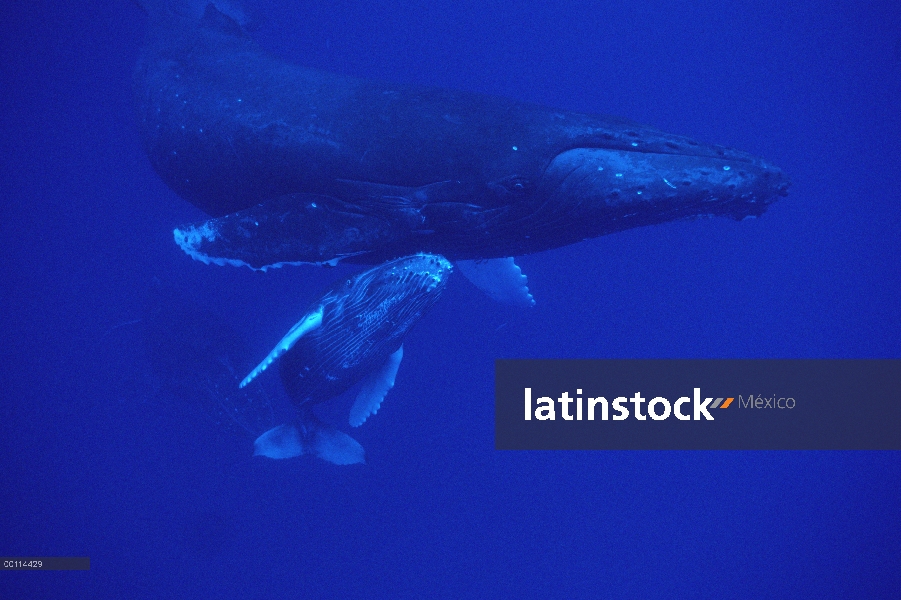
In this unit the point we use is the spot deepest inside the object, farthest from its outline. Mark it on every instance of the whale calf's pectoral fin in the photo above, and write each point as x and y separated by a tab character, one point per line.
374	388
310	322
500	278
312	436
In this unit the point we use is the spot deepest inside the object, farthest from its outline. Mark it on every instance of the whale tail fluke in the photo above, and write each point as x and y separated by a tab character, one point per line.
309	435
337	447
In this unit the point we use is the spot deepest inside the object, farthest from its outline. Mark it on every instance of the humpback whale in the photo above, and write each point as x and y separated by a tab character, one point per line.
298	166
353	333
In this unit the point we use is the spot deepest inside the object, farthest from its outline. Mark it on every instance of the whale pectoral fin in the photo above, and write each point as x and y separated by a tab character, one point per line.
287	230
283	441
310	436
308	323
375	386
500	278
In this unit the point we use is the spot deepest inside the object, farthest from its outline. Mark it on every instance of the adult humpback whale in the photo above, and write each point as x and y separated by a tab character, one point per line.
301	166
354	332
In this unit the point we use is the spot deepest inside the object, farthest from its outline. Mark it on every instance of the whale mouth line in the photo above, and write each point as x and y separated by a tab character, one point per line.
705	153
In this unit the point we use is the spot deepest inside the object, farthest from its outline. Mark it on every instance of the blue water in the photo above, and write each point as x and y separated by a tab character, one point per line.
98	459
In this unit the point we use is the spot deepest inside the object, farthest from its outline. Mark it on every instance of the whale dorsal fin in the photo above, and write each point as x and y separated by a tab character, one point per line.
375	386
500	278
225	16
310	322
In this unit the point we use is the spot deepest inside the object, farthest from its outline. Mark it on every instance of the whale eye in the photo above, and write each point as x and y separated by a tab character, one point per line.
514	185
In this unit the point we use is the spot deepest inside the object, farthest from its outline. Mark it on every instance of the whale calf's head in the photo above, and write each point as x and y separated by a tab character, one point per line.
388	298
364	320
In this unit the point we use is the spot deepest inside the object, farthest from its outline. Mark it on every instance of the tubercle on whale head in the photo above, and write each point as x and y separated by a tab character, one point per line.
437	270
433	265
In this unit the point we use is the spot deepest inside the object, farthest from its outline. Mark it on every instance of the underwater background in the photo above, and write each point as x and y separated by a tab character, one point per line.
113	446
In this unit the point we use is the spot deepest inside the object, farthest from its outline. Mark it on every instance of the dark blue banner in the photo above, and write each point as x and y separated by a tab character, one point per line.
698	404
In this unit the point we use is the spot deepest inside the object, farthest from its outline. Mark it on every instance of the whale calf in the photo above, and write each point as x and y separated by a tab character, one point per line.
298	166
352	334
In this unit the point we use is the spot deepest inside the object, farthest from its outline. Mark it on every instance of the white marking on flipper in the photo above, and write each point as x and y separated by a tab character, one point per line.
375	386
500	278
192	237
302	327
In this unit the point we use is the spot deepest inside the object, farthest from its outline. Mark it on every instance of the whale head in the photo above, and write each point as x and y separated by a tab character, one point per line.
363	321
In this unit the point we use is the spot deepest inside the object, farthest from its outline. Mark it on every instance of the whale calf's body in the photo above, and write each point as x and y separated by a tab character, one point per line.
352	334
300	166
